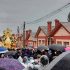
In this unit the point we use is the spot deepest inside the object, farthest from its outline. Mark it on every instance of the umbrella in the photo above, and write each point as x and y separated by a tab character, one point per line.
3	49
40	48
10	54
67	49
10	64
62	62
57	47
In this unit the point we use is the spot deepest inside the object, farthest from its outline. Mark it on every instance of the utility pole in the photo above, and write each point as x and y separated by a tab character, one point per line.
24	34
18	31
18	37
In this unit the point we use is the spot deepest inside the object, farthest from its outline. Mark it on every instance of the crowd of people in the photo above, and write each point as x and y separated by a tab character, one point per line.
35	54
29	57
32	57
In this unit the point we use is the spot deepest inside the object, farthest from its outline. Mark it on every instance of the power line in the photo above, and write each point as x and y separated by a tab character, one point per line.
50	14
42	18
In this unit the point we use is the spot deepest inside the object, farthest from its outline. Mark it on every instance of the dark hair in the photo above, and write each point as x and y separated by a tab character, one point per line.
1	55
35	68
44	60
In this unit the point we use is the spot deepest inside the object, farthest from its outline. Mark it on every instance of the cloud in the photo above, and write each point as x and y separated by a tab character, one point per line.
14	12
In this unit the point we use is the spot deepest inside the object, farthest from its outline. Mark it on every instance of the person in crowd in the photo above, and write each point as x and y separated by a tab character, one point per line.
37	60
20	59
44	61
31	60
30	53
25	59
18	53
48	53
2	55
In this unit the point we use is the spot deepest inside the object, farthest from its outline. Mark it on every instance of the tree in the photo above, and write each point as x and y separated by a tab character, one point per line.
68	17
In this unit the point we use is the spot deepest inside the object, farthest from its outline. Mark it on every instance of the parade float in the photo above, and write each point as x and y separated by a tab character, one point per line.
8	39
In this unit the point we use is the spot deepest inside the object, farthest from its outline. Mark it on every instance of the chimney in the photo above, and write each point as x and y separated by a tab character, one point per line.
57	23
28	32
49	26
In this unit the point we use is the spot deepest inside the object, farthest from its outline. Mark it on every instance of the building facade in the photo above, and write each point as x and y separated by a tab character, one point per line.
45	35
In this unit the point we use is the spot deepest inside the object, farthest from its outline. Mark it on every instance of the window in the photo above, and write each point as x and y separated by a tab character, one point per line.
43	41
39	41
35	43
59	42
66	43
30	43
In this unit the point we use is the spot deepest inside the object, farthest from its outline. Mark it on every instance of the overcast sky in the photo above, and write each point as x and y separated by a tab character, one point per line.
14	12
